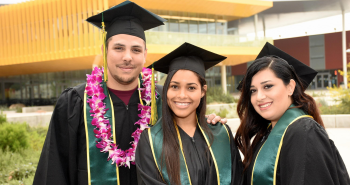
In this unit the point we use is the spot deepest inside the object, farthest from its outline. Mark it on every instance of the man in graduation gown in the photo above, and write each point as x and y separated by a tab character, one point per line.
70	155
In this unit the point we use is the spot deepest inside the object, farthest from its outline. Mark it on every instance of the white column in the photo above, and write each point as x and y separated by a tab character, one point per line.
264	26
344	51
223	79
158	77
256	26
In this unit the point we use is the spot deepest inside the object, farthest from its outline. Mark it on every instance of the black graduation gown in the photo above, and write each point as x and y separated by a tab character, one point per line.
199	161
63	159
308	157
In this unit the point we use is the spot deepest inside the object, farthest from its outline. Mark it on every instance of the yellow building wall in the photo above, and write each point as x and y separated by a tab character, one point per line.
52	35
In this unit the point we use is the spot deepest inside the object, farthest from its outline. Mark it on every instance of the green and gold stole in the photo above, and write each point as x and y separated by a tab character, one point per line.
101	171
220	151
265	165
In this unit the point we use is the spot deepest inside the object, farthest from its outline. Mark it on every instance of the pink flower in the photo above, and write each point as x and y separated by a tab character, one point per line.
103	131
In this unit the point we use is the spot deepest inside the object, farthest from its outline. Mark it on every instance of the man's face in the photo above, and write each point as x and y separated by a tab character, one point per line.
126	55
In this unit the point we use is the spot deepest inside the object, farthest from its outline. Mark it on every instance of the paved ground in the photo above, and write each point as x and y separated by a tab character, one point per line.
341	138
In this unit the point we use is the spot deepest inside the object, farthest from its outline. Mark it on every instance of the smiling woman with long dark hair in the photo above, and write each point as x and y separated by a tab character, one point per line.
290	144
182	148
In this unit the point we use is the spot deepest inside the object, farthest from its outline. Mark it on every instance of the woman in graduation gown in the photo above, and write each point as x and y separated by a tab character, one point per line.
291	145
181	149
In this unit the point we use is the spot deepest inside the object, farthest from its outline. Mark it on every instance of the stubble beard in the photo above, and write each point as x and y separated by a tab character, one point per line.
123	81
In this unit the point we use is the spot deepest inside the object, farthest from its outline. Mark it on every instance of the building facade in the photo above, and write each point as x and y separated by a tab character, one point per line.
321	52
47	46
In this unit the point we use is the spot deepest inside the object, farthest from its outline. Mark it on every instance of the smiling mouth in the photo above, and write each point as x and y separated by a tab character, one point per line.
182	104
265	106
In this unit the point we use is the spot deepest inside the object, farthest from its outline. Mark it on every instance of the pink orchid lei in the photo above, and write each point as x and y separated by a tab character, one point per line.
94	90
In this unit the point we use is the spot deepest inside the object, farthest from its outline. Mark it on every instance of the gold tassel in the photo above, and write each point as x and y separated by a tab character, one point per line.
154	114
104	33
139	85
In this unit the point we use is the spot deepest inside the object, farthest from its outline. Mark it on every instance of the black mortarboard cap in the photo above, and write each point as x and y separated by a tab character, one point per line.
126	18
189	57
304	72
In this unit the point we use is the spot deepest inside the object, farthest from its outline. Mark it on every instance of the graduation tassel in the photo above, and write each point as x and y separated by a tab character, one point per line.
154	114
104	33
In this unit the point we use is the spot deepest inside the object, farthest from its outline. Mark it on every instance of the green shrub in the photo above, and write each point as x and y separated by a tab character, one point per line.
210	99
37	137
18	167
20	156
215	94
2	118
13	136
19	109
340	95
222	113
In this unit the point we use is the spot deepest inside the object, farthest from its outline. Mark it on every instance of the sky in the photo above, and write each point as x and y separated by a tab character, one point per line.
11	1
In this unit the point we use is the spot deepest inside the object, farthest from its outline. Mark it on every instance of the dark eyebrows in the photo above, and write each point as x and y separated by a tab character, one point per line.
118	44
187	83
137	46
134	46
192	84
264	82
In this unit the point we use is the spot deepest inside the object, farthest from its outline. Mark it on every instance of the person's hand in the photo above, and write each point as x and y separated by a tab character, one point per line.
213	119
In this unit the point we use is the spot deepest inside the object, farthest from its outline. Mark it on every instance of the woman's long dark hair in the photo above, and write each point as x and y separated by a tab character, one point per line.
252	124
171	148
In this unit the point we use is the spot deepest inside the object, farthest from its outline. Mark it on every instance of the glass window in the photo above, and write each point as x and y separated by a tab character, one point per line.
221	28
319	81
164	27
173	25
193	26
326	81
184	26
334	80
211	27
202	27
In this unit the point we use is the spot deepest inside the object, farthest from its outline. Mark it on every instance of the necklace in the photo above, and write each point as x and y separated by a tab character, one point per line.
103	129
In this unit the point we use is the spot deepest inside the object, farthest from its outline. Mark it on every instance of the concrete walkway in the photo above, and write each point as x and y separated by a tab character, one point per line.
341	138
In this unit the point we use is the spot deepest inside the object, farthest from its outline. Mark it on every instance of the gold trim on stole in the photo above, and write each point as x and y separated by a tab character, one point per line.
180	142
114	136
278	152
280	146
154	156
211	152
251	182
87	141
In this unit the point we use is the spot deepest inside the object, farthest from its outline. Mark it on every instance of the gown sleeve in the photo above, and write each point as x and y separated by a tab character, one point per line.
147	171
309	157
237	165
58	160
